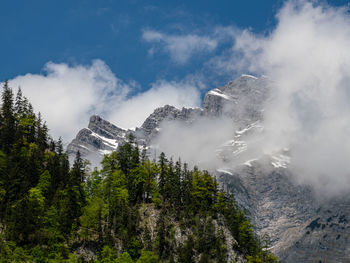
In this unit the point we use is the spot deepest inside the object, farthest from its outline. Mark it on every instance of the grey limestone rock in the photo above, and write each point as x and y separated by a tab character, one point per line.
151	125
99	138
105	128
242	99
301	227
325	237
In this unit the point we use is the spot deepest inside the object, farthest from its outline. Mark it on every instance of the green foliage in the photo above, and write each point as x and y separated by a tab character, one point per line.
148	257
134	247
108	255
91	218
44	182
8	121
262	257
37	255
203	190
124	258
37	196
184	199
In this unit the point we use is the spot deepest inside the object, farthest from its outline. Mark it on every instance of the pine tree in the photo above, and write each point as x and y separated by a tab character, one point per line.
8	120
3	179
41	133
128	158
58	147
19	104
74	195
162	176
176	184
78	170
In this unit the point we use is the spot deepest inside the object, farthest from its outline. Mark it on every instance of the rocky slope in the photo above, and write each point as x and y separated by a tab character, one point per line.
301	227
101	137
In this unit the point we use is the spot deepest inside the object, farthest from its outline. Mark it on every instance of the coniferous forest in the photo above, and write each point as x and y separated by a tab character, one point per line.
131	210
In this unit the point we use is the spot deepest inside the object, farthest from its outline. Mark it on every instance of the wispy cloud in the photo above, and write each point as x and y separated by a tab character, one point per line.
180	47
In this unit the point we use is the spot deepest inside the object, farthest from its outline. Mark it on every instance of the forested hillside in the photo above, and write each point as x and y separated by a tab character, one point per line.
132	210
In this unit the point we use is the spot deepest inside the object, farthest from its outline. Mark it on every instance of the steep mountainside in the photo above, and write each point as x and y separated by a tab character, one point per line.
300	226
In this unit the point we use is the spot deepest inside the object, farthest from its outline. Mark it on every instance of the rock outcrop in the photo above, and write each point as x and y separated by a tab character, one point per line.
101	137
151	126
242	100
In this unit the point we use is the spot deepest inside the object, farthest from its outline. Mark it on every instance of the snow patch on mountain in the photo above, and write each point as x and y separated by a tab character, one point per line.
110	142
217	92
280	161
249	76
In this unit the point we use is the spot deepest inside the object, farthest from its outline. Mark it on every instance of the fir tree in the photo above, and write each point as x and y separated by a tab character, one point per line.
7	119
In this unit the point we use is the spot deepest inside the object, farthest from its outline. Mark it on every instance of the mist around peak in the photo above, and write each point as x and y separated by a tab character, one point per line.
307	57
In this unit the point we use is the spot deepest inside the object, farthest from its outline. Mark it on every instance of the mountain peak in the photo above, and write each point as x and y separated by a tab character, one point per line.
242	99
95	119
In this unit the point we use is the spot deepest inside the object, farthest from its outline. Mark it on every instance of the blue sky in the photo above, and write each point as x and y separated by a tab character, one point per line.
112	53
35	32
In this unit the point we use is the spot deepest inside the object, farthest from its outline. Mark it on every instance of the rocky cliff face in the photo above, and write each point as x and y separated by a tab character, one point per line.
151	126
301	227
101	137
325	237
242	99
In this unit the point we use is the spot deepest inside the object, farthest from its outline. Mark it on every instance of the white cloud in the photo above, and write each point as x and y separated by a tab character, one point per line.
197	143
133	111
308	57
180	47
67	96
